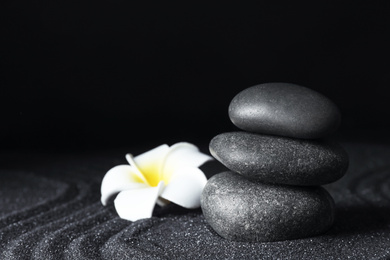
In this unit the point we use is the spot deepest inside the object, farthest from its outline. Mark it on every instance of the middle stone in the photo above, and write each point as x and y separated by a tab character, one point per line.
281	160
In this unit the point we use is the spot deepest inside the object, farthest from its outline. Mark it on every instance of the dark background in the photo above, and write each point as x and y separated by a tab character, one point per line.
103	74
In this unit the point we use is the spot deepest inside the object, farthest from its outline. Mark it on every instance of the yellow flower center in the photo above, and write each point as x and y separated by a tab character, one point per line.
151	172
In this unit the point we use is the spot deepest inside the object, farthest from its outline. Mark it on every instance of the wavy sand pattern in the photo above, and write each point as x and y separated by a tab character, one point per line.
52	210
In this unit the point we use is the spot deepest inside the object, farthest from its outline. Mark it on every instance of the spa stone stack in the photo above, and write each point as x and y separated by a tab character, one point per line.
277	166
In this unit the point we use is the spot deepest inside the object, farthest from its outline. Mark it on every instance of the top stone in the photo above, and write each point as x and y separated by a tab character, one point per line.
284	109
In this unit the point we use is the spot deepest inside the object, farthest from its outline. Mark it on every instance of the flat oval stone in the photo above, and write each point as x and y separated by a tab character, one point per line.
282	160
241	210
284	109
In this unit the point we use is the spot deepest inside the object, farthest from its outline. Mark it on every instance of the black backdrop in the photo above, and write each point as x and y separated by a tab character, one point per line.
98	74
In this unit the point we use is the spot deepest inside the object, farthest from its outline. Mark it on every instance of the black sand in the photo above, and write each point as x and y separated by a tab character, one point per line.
50	209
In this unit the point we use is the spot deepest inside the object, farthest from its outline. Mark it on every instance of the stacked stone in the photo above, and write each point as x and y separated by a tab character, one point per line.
277	166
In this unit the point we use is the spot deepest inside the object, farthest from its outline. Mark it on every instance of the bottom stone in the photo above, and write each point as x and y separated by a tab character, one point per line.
242	210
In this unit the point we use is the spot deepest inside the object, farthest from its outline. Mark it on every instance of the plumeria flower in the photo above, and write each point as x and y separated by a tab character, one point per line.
162	175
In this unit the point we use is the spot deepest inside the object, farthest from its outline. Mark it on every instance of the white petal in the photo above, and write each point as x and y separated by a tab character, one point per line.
182	155
119	178
130	160
185	187
150	163
138	203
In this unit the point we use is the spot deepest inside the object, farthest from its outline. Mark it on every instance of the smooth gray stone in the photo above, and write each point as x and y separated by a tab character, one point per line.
282	160
284	109
241	210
